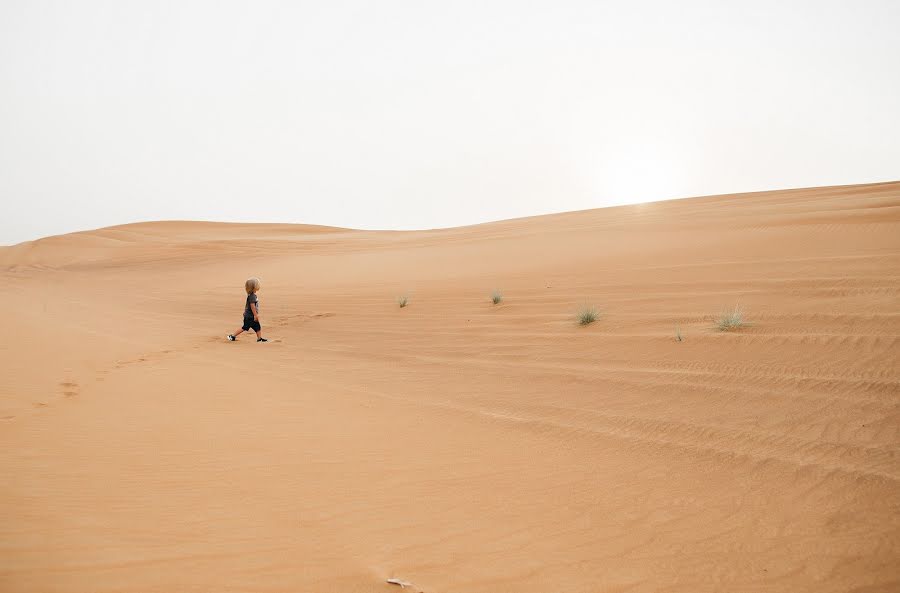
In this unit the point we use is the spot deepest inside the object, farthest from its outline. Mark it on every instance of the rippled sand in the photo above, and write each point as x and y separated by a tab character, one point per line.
456	444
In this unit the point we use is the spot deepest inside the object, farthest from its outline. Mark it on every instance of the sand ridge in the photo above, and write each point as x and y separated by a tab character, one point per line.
457	444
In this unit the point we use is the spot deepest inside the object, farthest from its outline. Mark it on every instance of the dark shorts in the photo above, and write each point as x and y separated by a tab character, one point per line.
250	324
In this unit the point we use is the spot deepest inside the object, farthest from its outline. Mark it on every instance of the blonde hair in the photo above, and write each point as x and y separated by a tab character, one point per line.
252	285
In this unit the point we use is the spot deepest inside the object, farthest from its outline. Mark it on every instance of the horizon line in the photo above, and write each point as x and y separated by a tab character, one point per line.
462	226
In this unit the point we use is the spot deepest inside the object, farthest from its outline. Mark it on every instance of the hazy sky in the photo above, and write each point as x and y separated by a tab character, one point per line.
420	114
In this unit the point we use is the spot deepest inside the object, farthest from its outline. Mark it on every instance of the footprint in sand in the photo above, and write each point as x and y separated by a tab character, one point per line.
301	318
70	388
143	358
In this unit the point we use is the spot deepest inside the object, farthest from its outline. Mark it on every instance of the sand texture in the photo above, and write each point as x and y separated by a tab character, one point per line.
455	444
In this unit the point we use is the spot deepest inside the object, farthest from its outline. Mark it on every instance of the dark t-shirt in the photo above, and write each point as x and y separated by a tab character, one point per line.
251	298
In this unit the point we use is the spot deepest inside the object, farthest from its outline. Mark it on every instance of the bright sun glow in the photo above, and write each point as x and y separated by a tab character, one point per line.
638	173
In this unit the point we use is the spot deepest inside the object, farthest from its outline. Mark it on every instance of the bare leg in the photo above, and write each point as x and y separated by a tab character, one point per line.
238	332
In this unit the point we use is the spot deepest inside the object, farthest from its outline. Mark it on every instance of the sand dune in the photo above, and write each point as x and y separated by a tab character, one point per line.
455	444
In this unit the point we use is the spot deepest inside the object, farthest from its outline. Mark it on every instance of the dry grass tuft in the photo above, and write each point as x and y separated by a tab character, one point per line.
731	320
587	315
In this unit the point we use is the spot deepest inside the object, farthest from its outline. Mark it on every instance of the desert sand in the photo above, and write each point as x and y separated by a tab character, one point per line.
455	444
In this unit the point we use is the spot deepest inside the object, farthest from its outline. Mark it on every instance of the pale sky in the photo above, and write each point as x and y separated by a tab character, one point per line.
417	114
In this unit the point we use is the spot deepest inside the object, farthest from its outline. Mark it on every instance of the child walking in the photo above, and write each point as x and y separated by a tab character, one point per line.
251	312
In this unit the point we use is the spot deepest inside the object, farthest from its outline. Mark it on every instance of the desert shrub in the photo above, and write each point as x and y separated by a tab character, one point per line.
730	320
587	315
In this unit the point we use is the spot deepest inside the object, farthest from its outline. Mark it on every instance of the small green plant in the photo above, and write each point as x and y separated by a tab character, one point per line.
403	301
496	297
587	315
678	336
730	320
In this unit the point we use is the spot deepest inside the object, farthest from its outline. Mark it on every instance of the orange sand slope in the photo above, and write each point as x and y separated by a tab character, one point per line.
455	444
